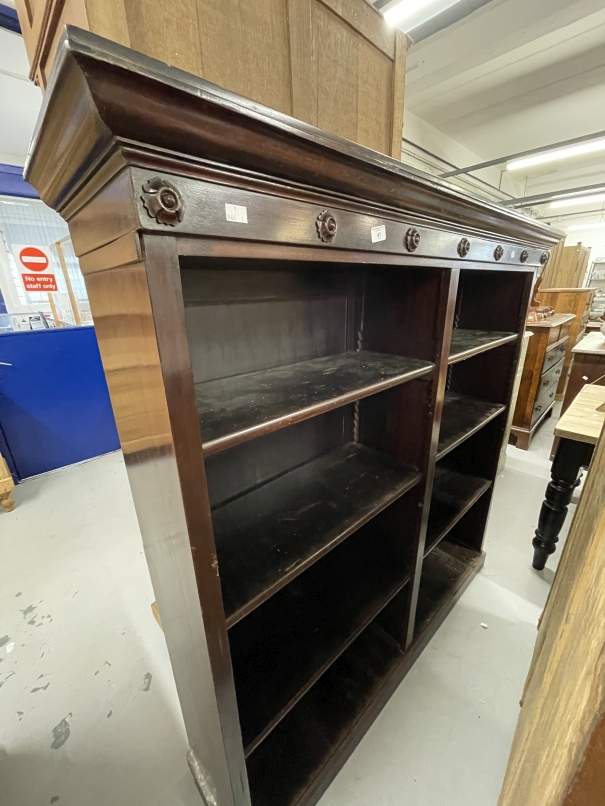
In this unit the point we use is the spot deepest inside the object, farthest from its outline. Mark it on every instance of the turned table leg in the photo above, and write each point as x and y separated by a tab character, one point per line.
565	474
7	502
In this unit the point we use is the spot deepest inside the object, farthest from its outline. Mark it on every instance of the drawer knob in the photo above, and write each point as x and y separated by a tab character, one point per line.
544	258
498	252
524	256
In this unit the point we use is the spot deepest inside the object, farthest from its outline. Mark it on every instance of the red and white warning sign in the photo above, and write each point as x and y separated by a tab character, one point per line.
35	267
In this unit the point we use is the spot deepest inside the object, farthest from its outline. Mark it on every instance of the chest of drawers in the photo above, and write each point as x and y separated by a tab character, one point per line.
544	365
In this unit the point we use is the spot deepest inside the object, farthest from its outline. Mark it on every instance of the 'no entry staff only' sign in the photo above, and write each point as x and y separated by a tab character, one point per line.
34	264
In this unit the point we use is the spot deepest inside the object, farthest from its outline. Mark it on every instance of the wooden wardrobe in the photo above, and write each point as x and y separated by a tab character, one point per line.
310	350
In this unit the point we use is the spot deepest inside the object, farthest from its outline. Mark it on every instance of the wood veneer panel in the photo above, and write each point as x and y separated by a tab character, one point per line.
468	343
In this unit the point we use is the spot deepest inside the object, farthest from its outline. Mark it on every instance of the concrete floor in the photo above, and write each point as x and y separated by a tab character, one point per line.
88	708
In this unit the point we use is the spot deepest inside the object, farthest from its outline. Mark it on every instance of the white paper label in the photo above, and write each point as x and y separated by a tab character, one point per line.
513	253
10	647
237	213
379	233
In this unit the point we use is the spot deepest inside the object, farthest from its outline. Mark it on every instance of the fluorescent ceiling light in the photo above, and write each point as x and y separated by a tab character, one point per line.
574	227
556	154
577	200
408	14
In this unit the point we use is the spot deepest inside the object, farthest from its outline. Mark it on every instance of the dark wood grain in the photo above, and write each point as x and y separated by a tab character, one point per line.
285	645
283	766
269	535
467	343
462	417
443	569
233	410
453	495
273	555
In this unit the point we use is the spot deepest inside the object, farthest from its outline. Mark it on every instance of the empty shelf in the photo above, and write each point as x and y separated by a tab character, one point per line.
284	646
453	495
466	343
444	574
291	758
242	407
463	416
267	536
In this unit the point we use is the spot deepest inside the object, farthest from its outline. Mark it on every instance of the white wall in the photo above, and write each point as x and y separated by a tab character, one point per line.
427	136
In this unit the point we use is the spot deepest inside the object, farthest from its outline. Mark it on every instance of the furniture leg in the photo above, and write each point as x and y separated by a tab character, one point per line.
7	502
565	473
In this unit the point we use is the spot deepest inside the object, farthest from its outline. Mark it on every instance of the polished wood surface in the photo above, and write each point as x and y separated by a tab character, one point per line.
542	371
583	421
569	300
587	367
303	306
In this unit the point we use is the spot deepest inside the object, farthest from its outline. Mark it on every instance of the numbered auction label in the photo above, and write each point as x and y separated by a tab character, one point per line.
379	233
237	213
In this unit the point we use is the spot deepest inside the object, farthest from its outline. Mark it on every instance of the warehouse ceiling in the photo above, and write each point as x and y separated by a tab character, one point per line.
513	75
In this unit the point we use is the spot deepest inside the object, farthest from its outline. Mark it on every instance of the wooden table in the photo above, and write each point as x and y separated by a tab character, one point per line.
588	366
578	431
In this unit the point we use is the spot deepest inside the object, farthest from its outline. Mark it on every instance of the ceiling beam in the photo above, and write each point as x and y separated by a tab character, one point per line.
542	198
520	154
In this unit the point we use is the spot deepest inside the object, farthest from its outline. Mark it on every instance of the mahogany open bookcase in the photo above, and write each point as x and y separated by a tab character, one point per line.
310	350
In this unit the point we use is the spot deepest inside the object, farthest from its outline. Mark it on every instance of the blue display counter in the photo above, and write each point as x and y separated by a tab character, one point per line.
54	403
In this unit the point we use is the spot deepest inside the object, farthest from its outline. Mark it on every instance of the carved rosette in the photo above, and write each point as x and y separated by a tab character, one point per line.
163	201
412	239
524	256
544	258
326	226
464	247
498	252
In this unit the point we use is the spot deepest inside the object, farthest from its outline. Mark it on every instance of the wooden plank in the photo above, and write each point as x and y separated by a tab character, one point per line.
593	344
374	98
108	18
564	696
582	420
398	93
337	53
165	32
366	21
241	407
270	535
303	76
245	49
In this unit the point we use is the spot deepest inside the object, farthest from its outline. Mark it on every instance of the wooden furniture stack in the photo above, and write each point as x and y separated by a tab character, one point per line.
542	371
333	63
569	300
310	350
567	266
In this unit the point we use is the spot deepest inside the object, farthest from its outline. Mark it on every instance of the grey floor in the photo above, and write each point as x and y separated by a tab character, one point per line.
88	708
